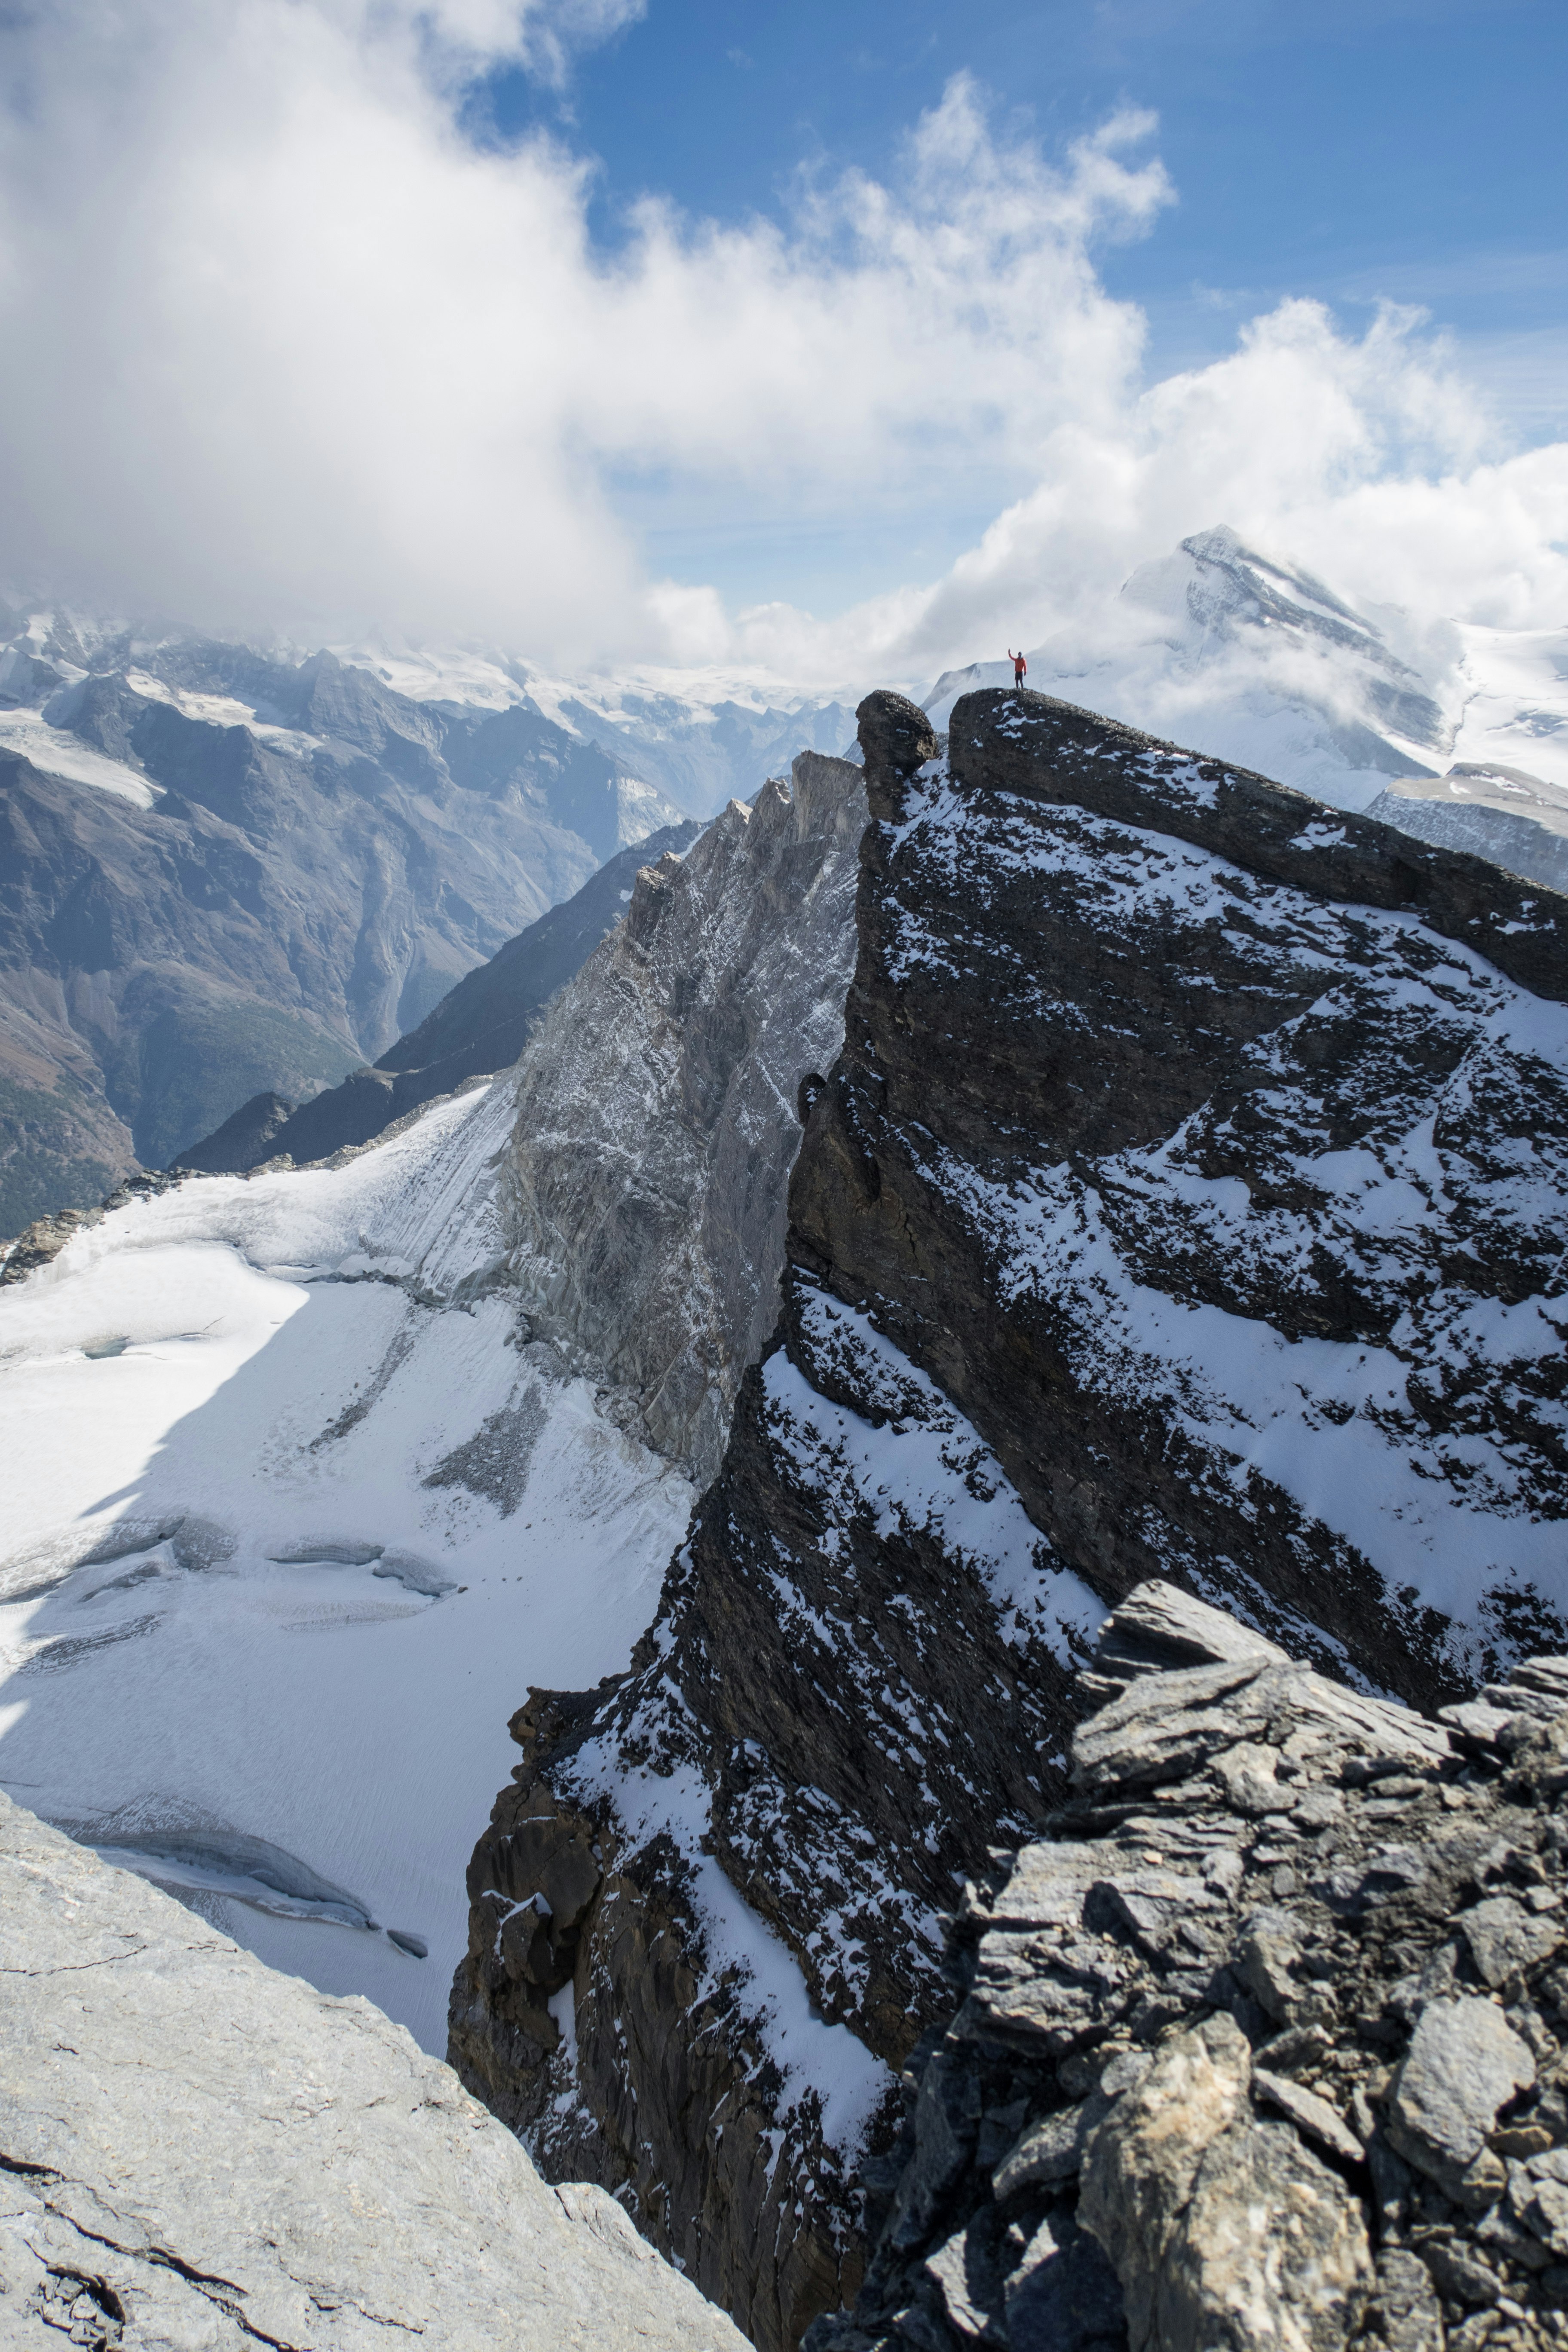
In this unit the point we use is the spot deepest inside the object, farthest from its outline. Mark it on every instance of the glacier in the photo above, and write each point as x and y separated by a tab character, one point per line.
253	1590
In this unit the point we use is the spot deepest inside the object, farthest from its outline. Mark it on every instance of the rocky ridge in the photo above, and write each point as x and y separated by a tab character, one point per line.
198	2151
1263	2042
1187	1198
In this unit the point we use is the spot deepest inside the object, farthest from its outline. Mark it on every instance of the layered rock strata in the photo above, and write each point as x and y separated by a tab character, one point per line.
659	1106
1210	1150
1263	2043
1188	1196
196	2151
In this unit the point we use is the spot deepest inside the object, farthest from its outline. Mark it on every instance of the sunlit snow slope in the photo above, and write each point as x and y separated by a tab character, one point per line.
292	1519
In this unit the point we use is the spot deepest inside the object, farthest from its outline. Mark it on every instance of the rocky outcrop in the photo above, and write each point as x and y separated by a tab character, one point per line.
1187	1198
244	1141
657	1107
194	2151
1262	2045
481	1025
44	1239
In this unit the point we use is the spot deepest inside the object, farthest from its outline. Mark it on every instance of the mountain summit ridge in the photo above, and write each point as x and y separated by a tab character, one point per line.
1182	1202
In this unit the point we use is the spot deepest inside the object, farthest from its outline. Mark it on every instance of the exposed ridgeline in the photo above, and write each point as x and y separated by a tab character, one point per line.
1188	1197
1263	2044
196	2150
659	1102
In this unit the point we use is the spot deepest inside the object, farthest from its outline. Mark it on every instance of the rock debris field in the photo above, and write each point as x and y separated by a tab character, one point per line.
1266	2043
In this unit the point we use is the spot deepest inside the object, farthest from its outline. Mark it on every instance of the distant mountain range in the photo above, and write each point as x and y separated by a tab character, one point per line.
1255	660
229	873
704	736
221	873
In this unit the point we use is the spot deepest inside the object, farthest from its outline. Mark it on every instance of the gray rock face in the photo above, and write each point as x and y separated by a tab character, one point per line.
1463	2062
1375	2155
660	1104
196	2152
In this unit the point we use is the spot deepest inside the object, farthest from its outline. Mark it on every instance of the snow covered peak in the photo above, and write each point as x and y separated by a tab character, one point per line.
1214	583
1250	656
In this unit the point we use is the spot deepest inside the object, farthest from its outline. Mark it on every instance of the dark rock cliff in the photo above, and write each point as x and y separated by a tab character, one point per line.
1187	1198
1236	1129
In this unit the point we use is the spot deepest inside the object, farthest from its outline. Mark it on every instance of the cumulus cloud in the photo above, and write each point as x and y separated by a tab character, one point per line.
280	346
1369	459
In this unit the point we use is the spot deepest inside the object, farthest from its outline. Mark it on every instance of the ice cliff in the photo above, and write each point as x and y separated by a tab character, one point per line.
1187	1201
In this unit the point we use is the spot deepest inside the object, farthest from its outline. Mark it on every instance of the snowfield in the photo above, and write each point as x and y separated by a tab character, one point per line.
294	1515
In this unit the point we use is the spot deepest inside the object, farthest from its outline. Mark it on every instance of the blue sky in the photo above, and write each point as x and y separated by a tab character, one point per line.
1407	150
329	314
1400	151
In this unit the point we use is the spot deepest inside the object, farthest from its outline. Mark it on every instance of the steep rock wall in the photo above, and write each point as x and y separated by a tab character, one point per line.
659	1099
1187	1196
1236	1135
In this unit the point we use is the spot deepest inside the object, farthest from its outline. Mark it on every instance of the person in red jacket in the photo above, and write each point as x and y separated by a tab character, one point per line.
1019	665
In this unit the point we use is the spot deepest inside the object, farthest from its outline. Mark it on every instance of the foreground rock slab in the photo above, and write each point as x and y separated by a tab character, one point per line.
197	2152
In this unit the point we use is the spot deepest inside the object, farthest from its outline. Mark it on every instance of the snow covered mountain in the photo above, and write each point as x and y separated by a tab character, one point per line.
704	736
1188	1199
183	936
1254	660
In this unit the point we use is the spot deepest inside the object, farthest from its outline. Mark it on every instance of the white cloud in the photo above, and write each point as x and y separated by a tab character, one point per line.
278	346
